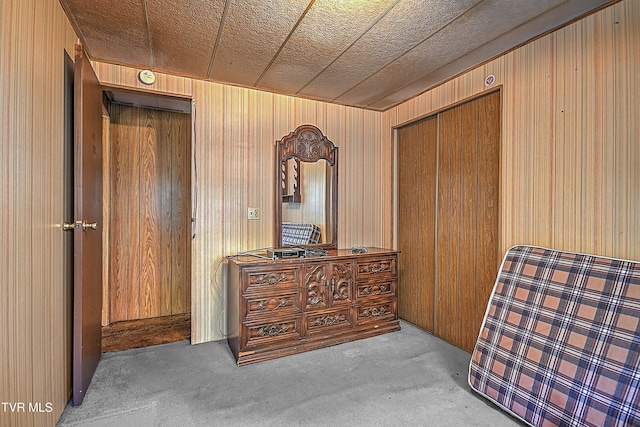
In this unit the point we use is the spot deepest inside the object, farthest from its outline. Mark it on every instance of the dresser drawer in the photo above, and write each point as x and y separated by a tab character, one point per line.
272	304
375	267
325	321
375	288
262	280
268	333
379	310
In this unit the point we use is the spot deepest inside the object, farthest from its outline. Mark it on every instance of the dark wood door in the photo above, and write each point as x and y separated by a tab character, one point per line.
87	281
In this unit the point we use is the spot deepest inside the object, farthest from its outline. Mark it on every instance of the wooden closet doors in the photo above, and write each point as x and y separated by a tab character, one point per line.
150	213
448	224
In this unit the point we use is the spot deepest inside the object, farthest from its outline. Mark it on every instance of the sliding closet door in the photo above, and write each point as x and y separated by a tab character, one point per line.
450	274
416	232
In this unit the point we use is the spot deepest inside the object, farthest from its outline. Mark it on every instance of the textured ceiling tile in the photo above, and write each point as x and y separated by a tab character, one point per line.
406	25
183	34
539	25
473	29
112	30
328	29
345	38
252	35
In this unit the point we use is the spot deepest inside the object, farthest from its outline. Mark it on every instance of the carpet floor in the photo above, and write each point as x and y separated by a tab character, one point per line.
405	378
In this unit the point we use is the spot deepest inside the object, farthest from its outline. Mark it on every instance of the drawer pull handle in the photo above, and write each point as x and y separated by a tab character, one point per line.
272	279
374	268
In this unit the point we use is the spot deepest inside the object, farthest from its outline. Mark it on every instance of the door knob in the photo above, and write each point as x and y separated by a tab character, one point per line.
68	226
91	225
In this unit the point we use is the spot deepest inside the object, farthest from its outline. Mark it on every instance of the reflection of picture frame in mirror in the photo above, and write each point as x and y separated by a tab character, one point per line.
306	185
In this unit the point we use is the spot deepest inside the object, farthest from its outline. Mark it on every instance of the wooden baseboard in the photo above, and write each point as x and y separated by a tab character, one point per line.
146	332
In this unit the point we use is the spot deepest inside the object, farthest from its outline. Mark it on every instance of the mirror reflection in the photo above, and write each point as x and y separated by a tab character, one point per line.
306	189
309	202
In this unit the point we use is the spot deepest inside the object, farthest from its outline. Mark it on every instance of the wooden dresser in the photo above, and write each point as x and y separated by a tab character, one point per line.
281	307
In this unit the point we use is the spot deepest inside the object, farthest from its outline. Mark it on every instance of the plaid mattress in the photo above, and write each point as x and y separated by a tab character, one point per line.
299	234
560	340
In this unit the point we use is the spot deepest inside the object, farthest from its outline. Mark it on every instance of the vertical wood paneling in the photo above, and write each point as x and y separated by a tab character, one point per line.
35	335
569	157
235	130
600	93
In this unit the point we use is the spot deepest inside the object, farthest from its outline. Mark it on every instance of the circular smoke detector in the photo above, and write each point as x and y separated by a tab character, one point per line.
147	77
489	80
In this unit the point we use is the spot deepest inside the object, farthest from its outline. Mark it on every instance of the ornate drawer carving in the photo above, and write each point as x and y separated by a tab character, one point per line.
328	284
376	311
330	320
273	331
373	267
375	288
272	304
276	279
280	307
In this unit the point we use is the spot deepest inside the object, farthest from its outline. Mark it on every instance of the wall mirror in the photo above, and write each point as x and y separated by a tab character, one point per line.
306	205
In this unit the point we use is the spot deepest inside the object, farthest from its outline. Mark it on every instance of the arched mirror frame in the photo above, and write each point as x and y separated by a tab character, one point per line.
306	144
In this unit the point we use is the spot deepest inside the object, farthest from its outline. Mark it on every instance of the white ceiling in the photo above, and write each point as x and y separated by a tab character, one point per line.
372	54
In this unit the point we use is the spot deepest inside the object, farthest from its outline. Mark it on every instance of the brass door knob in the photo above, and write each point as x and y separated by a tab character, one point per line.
68	226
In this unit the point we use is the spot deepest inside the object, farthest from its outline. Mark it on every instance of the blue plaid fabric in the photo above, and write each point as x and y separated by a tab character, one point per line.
560	342
299	234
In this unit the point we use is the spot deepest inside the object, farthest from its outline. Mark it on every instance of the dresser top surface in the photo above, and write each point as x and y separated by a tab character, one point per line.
261	257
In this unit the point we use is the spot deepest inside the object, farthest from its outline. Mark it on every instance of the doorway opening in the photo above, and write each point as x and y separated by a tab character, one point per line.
147	210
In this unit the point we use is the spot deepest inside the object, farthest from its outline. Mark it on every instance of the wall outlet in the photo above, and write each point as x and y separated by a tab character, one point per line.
253	213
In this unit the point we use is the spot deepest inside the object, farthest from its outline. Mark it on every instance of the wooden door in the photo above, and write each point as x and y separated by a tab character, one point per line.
150	213
446	275
417	168
87	229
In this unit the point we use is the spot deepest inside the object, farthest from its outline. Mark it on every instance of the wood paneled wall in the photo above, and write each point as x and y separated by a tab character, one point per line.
570	175
35	307
234	135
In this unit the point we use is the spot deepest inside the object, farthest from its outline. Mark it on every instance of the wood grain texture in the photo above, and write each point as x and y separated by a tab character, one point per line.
569	158
35	308
150	209
447	272
594	59
235	130
417	221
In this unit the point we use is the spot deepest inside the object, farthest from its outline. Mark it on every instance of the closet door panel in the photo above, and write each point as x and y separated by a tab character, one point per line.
489	257
416	223
448	231
468	252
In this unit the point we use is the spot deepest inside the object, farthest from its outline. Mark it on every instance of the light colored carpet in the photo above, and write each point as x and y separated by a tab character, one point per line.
405	378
